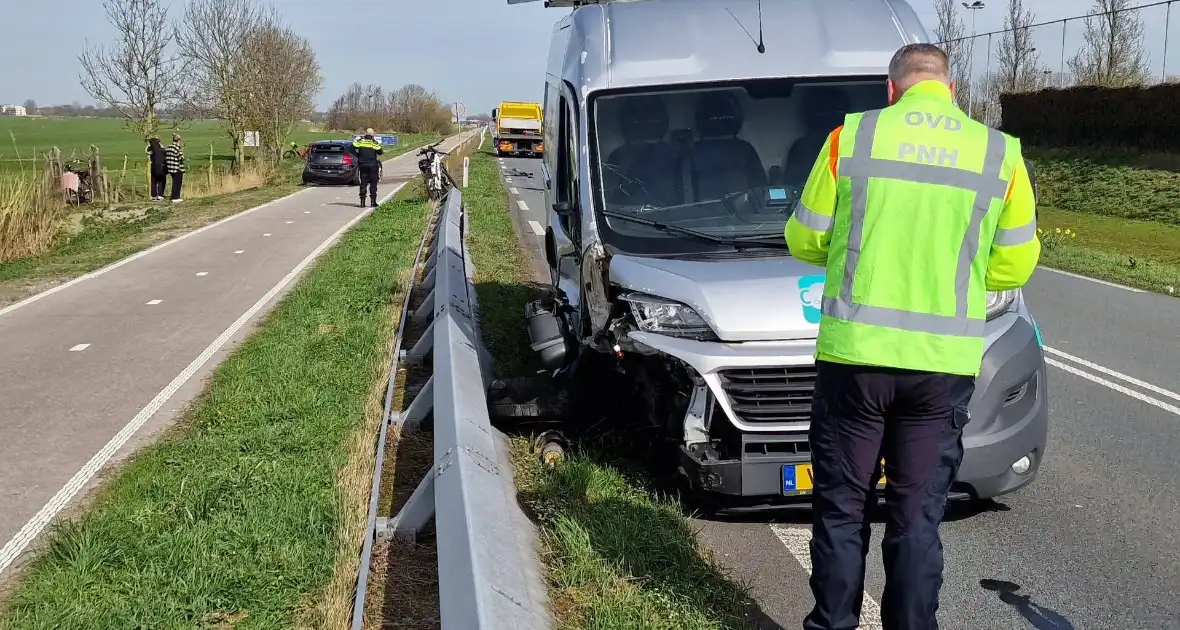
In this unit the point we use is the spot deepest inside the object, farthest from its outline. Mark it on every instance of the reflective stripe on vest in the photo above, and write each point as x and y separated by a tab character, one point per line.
987	186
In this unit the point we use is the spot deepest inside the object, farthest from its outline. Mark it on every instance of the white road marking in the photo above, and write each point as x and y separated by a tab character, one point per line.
522	205
1155	402
1109	372
290	222
13	548
307	212
267	234
1081	277
153	302
202	273
240	251
797	540
508	180
514	191
540	231
115	265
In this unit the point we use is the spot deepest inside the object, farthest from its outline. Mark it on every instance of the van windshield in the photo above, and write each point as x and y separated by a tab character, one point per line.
727	161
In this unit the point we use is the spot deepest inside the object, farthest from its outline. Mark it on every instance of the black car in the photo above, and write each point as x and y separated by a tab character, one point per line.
331	162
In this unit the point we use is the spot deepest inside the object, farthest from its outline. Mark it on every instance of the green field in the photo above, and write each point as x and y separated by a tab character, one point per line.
25	138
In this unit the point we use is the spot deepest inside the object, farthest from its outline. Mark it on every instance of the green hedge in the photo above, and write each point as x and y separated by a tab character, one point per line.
1145	118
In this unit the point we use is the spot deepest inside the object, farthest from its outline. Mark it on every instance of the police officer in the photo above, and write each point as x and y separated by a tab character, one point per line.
367	151
916	211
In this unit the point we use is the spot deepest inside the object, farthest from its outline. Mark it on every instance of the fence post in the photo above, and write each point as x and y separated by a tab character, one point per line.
466	162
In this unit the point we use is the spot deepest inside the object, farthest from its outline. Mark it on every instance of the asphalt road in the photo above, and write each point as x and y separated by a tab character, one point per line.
1093	543
93	368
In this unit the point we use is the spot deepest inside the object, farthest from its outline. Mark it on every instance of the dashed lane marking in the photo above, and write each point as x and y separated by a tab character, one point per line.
78	348
202	273
537	229
797	540
153	302
514	191
522	205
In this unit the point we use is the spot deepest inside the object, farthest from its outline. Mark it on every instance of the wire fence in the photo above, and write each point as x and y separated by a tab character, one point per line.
1051	53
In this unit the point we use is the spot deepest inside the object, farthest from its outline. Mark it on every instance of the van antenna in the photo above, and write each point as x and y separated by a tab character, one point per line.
758	42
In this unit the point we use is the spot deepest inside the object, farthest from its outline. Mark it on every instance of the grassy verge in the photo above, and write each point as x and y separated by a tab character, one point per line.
247	513
104	237
617	554
1114	184
1144	254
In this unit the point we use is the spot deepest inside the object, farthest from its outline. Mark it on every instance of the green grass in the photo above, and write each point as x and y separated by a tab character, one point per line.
618	555
22	138
1142	254
1124	185
107	237
234	514
1125	208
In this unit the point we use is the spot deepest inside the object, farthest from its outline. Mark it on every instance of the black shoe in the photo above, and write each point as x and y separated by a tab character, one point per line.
373	202
362	203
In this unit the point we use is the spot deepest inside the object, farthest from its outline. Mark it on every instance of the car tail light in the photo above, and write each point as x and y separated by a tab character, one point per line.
347	159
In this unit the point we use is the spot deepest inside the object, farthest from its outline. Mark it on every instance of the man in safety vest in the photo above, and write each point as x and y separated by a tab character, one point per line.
916	211
367	151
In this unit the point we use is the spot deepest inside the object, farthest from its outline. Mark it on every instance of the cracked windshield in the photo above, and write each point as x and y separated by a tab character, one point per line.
729	163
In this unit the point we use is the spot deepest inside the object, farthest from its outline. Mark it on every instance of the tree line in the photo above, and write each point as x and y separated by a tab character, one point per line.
232	60
1112	54
410	108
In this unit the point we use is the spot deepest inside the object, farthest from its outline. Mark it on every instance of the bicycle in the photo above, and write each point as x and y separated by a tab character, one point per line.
434	173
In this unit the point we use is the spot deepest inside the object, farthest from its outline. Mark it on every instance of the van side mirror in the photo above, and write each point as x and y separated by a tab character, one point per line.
564	209
550	248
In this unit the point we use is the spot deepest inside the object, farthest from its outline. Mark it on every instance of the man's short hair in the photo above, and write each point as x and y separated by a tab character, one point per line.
916	62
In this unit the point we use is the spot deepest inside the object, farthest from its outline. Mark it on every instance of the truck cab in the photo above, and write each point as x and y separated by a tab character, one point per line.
678	146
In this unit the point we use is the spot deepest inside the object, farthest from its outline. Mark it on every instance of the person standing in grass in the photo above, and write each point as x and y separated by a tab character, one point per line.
158	167
175	164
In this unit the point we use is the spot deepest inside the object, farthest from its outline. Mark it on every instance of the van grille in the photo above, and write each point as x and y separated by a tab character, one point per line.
770	395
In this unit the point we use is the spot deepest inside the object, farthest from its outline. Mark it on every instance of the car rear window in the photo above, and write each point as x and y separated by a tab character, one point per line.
328	148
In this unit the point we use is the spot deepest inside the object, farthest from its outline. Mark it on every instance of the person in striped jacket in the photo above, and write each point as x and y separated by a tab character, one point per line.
174	163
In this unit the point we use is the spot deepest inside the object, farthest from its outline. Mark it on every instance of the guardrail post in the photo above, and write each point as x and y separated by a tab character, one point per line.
466	162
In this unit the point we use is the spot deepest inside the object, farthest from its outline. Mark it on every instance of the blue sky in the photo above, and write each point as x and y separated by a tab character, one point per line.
478	52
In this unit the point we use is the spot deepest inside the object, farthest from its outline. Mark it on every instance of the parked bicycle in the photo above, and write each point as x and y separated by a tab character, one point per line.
434	172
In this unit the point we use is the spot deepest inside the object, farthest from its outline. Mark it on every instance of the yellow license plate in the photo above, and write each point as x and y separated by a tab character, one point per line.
799	479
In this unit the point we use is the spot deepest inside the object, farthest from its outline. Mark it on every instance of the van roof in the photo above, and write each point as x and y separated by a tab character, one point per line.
635	43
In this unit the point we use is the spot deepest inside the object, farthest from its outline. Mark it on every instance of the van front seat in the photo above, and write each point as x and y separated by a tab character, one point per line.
824	109
645	169
722	162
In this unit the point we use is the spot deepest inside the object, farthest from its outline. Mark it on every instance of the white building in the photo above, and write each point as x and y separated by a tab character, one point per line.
13	110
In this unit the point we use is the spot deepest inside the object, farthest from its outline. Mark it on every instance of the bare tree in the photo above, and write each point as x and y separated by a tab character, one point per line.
283	80
1112	55
212	37
140	74
1020	66
951	33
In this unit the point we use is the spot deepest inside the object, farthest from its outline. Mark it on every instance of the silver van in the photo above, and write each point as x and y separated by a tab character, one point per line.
680	134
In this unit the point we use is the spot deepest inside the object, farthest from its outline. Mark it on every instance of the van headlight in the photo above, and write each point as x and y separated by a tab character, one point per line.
998	302
666	317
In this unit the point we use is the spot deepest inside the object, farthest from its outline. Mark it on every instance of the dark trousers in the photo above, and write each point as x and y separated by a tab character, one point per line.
158	181
369	177
914	420
177	181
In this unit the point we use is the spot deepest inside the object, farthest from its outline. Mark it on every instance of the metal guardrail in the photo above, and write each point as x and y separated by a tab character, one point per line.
489	574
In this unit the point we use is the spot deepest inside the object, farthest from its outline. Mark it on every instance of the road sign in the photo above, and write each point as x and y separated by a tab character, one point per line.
251	139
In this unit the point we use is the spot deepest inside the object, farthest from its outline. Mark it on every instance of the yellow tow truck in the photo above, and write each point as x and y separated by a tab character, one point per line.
518	129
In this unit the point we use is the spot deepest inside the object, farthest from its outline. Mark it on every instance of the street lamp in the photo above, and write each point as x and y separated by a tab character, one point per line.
973	7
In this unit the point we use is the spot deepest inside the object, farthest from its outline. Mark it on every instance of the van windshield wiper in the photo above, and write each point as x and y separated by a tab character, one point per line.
676	229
